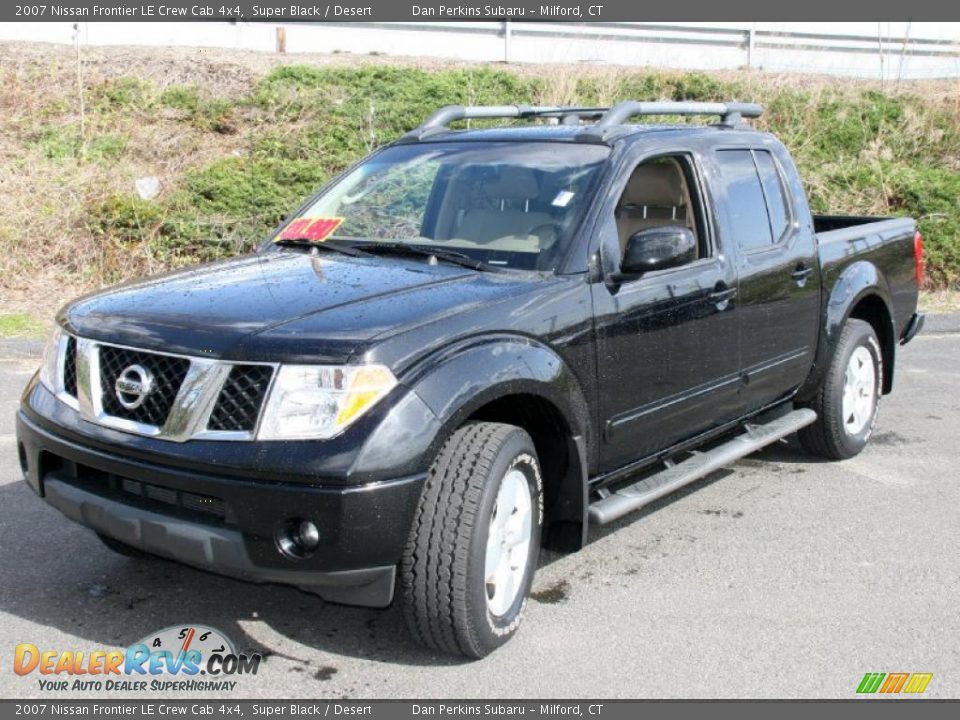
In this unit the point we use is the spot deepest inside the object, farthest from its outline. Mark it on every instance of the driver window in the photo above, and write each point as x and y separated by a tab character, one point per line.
661	192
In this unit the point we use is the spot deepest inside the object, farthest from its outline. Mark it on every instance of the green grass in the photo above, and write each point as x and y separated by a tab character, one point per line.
860	150
62	143
19	325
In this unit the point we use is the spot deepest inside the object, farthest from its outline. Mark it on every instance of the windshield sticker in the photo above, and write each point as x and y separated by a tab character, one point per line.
563	198
306	228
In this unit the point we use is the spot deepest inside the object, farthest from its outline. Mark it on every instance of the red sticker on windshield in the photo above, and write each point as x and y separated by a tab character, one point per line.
305	228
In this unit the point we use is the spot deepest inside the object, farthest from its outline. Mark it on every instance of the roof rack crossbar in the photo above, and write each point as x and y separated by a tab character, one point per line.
440	119
731	113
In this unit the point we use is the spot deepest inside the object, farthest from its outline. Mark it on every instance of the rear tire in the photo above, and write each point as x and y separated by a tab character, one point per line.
849	398
473	548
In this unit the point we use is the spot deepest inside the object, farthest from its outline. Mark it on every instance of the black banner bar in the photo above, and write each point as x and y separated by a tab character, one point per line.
451	709
468	10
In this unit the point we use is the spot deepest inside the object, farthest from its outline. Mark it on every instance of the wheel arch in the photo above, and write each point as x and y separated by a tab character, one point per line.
860	293
562	463
873	310
521	382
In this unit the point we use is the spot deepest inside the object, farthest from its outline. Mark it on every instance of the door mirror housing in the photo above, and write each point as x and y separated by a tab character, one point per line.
658	248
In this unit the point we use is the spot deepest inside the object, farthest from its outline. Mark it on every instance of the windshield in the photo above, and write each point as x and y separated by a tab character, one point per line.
512	205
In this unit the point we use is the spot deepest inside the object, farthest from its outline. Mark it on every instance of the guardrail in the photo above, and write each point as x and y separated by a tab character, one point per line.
799	47
881	55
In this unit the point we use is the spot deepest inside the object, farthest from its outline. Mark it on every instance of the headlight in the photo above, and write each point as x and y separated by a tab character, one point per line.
50	369
320	401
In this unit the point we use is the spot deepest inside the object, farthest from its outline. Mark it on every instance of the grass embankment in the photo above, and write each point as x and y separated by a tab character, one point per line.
236	146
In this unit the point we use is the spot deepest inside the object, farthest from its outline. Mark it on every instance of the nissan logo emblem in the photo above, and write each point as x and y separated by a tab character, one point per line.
133	386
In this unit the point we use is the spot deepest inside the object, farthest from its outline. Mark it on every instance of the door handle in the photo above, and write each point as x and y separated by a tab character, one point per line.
801	274
722	298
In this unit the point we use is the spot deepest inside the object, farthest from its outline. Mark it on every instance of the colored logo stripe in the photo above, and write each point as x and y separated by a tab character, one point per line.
894	683
870	682
918	682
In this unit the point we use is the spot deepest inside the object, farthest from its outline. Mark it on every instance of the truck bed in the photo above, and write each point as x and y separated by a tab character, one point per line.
831	223
884	242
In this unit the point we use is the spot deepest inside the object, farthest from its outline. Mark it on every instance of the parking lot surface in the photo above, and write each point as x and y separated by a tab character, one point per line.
779	577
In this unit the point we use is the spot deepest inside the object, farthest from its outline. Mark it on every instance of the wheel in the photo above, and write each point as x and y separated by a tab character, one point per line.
121	547
473	548
849	398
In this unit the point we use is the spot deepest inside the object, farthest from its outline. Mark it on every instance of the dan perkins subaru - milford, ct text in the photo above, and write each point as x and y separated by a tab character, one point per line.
501	11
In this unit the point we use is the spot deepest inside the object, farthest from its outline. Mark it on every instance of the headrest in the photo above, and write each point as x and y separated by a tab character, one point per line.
514	183
657	185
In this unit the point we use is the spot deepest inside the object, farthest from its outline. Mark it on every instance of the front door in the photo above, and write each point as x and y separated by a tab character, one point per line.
667	342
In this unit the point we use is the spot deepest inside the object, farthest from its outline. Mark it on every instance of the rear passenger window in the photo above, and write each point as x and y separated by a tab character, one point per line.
773	190
745	205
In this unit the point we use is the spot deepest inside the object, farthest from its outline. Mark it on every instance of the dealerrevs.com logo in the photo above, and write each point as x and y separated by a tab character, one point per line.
178	658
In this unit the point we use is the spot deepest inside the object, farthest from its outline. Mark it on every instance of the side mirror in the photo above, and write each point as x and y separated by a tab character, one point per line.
657	249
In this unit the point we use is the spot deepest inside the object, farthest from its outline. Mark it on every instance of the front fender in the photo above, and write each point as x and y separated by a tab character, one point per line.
454	384
443	390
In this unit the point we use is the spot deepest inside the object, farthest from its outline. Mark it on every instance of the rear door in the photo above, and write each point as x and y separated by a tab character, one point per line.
779	275
667	342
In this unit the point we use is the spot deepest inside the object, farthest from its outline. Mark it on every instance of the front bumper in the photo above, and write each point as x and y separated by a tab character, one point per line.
227	524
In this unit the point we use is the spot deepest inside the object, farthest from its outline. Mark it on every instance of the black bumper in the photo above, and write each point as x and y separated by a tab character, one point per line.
225	524
913	328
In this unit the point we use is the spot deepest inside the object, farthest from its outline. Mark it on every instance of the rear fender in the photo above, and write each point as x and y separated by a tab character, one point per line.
857	282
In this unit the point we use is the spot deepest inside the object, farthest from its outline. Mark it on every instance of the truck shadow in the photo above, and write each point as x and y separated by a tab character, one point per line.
58	575
784	452
788	451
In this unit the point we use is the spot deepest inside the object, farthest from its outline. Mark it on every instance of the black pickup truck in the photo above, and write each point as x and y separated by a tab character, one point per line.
472	344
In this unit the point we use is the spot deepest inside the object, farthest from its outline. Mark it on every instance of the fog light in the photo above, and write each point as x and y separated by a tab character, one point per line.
298	539
308	534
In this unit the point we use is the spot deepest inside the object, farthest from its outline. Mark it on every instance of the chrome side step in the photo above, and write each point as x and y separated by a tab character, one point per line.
633	497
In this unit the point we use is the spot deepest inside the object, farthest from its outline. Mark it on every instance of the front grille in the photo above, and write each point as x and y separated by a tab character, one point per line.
167	501
139	390
168	374
241	398
70	368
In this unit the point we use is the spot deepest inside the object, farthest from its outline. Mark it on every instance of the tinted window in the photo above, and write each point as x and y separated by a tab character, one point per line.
773	189
745	202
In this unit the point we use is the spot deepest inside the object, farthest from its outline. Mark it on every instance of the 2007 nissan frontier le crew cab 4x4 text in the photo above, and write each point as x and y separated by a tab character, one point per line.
472	344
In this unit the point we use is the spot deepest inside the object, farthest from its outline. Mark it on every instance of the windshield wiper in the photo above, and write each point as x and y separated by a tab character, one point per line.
334	245
398	248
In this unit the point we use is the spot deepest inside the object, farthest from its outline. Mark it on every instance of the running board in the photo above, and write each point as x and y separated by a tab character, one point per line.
633	497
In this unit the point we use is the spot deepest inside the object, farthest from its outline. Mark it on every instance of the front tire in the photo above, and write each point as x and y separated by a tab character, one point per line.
849	398
473	548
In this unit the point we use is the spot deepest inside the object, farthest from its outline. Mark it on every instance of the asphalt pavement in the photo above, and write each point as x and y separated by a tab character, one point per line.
781	576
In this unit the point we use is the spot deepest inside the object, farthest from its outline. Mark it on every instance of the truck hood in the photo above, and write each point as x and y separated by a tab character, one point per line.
287	306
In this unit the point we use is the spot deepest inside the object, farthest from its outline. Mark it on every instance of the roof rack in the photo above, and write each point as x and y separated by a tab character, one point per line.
610	121
731	114
439	120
